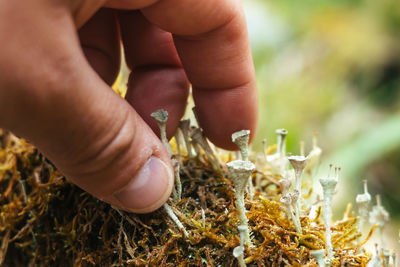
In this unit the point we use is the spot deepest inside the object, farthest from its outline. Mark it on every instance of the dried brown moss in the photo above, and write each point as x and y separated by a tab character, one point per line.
45	220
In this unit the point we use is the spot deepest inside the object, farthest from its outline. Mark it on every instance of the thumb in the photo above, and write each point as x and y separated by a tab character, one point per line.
93	136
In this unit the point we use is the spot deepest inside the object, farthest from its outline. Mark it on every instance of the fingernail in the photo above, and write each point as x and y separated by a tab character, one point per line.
149	190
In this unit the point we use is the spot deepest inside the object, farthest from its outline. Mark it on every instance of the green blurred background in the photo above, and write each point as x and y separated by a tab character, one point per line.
334	67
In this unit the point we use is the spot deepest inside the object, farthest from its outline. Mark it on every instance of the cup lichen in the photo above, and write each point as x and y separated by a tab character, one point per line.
56	223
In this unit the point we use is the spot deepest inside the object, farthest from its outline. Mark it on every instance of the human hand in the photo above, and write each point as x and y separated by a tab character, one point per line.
61	101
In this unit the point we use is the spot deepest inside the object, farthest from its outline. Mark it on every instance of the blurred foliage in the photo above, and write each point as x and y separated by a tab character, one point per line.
333	66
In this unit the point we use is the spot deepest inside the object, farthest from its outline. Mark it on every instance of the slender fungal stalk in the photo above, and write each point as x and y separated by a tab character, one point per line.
240	171
178	146
314	155
328	185
285	185
175	219
290	200
287	201
203	218
394	258
241	139
278	160
198	137
281	141
319	256
298	163
387	254
379	216
184	126
196	148
363	201
177	193
264	146
161	116
295	200
376	260
238	254
242	232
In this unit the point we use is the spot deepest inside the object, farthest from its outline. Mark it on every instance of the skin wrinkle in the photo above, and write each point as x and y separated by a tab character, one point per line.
114	145
122	165
205	35
198	22
232	90
107	189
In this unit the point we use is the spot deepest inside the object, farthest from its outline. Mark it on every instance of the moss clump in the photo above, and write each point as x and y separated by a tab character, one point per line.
45	220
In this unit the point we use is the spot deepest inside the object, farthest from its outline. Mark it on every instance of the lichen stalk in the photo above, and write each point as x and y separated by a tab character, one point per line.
394	258
376	260
161	117
379	216
197	149
178	146
238	254
242	234
175	219
314	155
241	139
240	171
285	184
264	147
319	256
363	201
328	185
278	160
298	163
184	126
287	201
177	193
295	200
281	141
386	254
198	137
203	218
290	200
238	251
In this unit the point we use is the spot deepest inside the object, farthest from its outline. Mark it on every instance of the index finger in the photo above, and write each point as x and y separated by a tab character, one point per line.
212	41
